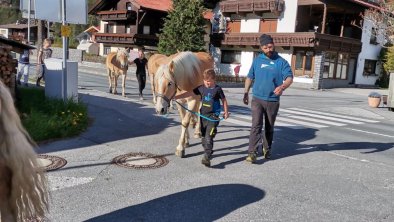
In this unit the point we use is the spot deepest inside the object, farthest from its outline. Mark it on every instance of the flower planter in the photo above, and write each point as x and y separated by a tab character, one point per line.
374	102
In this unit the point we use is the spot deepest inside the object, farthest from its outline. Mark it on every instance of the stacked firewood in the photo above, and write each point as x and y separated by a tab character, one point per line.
8	67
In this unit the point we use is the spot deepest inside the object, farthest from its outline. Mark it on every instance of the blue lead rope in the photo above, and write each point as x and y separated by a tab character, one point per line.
200	115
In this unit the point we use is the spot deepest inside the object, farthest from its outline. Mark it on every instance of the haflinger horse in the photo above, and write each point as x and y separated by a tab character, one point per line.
154	62
117	64
183	73
23	186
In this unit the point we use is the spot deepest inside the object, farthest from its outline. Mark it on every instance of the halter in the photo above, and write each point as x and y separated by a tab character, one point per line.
168	100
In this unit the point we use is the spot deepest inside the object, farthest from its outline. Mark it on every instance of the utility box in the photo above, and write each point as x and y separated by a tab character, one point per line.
54	84
390	98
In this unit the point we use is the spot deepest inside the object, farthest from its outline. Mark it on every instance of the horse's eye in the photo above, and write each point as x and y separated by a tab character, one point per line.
170	83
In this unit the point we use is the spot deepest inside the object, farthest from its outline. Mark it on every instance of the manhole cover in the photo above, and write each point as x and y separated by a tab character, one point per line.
51	162
140	161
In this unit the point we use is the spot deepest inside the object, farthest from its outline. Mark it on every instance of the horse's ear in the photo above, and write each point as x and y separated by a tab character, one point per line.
171	67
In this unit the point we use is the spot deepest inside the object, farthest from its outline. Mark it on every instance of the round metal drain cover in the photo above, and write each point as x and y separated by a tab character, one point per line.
140	161
51	162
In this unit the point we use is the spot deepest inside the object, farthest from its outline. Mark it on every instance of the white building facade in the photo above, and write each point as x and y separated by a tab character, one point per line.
318	39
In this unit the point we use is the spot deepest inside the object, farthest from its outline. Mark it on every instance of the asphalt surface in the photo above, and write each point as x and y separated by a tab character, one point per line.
333	160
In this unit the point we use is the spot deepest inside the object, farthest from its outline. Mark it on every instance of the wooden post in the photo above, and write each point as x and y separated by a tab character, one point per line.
323	28
343	24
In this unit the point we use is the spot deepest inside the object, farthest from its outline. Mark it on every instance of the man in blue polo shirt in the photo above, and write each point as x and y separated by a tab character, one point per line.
271	75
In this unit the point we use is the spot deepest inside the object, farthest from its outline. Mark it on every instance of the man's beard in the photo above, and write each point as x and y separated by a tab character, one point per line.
268	54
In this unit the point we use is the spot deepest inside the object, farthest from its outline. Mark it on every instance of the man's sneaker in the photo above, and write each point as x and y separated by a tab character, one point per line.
267	153
26	85
206	160
18	82
251	158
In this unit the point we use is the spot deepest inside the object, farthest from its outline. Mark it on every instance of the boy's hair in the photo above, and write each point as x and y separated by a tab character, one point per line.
47	40
209	74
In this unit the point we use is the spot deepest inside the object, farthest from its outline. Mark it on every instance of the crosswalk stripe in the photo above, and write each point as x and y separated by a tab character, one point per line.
249	124
317	120
321	117
314	125
335	115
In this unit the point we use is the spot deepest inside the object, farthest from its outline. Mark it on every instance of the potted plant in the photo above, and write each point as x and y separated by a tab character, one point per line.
374	99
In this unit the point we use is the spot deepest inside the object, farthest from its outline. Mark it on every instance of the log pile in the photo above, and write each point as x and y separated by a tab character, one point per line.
8	67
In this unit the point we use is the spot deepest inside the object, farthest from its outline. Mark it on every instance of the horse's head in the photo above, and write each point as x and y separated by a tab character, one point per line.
123	58
165	88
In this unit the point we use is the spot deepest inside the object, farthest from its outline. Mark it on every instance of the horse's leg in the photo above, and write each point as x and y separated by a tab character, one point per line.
152	85
180	150
109	80
124	84
115	76
5	192
197	128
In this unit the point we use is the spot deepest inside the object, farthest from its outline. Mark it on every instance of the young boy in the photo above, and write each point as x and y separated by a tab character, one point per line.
23	67
211	94
44	52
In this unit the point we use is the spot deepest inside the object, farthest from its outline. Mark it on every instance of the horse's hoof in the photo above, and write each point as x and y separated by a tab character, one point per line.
110	91
180	153
187	144
124	95
197	135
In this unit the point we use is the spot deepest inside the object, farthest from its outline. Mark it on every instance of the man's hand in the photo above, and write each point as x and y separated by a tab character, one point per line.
246	98
226	115
279	90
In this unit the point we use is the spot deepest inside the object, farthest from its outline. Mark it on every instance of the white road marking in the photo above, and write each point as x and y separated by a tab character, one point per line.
363	131
321	117
58	183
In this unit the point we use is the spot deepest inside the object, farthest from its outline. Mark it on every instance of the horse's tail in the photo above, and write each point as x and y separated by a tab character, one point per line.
29	195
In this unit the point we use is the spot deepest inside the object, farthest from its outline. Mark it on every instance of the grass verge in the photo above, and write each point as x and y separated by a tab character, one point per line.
47	119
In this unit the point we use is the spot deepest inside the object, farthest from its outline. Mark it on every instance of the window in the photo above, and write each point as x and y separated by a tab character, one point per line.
336	65
128	6
369	68
107	50
146	30
373	39
231	56
268	25
303	63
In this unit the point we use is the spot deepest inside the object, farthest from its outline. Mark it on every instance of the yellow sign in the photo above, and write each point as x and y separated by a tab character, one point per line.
66	30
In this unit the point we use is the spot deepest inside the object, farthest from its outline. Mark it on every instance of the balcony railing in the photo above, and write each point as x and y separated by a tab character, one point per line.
251	6
132	38
115	15
298	39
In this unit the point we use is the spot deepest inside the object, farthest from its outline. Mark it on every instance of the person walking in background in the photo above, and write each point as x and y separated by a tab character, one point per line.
211	94
44	52
271	75
141	63
23	67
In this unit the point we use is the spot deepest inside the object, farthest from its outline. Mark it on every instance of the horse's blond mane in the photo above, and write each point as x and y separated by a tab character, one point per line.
186	69
29	197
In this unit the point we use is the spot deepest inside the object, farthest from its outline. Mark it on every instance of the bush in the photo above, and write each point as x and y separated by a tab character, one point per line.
93	58
47	119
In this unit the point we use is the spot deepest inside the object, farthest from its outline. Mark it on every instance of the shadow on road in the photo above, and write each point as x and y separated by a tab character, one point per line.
113	120
200	204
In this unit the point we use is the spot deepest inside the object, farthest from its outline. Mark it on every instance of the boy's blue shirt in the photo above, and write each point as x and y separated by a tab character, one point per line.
268	73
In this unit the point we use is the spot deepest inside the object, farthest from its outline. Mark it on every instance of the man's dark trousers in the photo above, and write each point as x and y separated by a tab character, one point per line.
262	111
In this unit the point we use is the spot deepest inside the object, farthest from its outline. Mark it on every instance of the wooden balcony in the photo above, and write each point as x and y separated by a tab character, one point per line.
251	6
298	39
116	15
132	38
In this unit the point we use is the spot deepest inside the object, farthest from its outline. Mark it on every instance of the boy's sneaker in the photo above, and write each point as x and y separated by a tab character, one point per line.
18	82
267	153
252	157
26	85
206	160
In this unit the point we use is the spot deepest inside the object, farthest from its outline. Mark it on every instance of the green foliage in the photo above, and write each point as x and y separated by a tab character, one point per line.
9	15
183	28
387	58
47	119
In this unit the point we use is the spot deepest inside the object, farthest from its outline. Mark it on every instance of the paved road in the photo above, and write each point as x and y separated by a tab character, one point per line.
333	161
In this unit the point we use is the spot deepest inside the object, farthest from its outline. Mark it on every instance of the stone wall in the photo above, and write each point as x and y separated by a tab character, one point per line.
318	70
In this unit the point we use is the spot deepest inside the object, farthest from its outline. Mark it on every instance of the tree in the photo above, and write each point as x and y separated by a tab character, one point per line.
184	28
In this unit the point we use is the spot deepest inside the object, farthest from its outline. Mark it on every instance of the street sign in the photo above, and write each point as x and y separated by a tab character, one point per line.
66	30
51	10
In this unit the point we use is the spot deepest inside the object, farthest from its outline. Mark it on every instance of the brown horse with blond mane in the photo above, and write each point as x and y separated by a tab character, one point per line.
117	65
182	73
